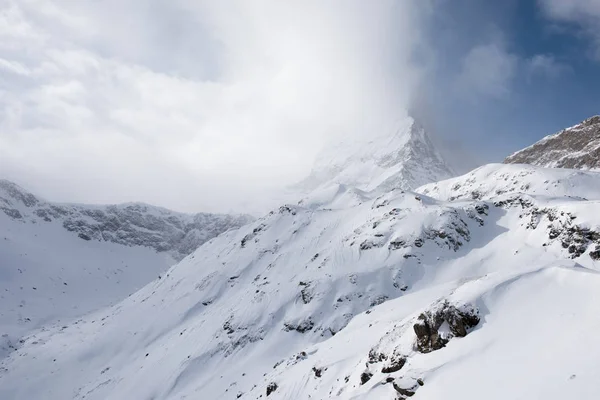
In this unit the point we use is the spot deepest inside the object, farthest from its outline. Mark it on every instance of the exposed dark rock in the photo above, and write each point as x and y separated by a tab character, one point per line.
405	392
228	328
11	212
318	372
306	294
375	357
271	388
396	363
428	323
378	300
397	244
596	253
302	326
574	238
365	377
482	209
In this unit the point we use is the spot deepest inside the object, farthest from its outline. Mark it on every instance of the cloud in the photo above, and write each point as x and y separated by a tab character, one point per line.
488	70
193	104
545	65
583	13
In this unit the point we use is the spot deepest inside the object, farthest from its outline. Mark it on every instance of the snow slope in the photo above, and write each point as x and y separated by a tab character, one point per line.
60	261
493	180
357	295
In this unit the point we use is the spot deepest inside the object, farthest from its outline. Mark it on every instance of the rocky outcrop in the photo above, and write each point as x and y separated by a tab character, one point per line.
406	387
134	224
577	147
302	326
435	328
561	226
271	388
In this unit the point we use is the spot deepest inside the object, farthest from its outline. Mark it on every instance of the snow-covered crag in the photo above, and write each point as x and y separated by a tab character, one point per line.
574	147
465	289
479	286
405	159
133	224
59	261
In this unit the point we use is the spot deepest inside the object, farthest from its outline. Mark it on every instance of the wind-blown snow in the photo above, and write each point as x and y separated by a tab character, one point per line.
405	159
317	300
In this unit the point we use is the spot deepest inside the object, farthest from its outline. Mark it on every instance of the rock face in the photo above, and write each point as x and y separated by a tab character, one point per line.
430	325
577	147
133	224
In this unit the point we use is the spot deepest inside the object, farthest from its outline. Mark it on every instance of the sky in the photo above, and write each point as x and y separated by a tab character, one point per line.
201	105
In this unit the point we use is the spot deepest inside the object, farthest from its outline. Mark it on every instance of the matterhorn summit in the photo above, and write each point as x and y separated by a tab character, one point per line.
401	158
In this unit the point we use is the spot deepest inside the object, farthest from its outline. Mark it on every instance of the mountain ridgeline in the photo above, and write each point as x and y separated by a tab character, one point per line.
576	147
390	279
134	224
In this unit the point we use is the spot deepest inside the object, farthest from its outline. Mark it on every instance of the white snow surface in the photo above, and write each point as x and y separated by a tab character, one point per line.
493	180
404	159
298	300
49	275
61	261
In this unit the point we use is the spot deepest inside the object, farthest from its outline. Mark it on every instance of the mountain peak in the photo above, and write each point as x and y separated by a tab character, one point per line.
404	159
576	147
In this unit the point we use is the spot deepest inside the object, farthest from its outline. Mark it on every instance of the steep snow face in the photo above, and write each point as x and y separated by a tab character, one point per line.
353	295
575	147
405	159
59	261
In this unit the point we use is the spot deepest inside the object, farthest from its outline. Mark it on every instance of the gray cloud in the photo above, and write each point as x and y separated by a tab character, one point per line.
192	104
545	65
488	70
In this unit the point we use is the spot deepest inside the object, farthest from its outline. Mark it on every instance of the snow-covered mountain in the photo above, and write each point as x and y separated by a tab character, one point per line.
404	159
481	286
59	261
574	147
133	224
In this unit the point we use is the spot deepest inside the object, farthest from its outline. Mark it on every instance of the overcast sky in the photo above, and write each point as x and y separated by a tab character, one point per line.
202	105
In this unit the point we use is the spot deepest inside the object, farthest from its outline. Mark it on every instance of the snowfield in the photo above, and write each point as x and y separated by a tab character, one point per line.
481	286
61	261
47	274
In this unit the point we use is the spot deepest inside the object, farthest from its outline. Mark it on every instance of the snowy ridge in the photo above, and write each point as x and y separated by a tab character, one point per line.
494	180
405	160
574	147
132	224
356	295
